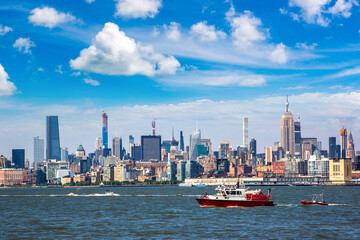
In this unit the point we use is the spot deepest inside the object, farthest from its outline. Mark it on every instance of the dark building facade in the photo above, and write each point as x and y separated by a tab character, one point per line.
18	158
252	151
298	148
52	138
105	130
332	147
181	141
151	148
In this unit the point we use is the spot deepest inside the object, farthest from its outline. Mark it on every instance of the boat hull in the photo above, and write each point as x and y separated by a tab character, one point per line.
313	203
232	203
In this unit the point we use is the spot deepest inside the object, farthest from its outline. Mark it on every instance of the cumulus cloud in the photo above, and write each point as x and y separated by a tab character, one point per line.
305	46
246	28
4	30
23	45
319	11
6	87
114	53
49	17
172	31
206	32
279	55
91	82
138	8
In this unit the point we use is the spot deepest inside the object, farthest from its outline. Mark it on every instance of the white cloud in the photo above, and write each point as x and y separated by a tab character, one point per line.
319	11
59	69
305	46
6	87
49	17
246	28
76	74
40	69
173	31
138	8
91	82
114	53
346	73
206	32
89	1
4	30
24	45
279	55
343	7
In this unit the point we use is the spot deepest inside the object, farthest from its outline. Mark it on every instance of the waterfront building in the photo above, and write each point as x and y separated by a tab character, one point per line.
297	129
332	147
246	132
223	149
343	142
287	131
252	152
116	147
208	163
181	171
181	141
52	166
171	170
340	170
151	148
191	169
18	158
268	156
350	151
98	143
121	173
52	138
104	130
195	139
11	176
64	154
109	173
38	151
318	166
222	165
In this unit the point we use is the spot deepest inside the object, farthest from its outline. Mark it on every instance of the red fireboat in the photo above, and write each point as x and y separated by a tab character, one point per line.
236	196
317	199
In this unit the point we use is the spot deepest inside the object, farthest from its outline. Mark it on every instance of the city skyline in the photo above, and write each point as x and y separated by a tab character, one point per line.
184	69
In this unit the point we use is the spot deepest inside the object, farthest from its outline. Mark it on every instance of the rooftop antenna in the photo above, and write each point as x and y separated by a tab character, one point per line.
173	132
153	127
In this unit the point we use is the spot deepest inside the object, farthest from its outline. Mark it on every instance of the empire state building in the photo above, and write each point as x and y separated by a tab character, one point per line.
287	131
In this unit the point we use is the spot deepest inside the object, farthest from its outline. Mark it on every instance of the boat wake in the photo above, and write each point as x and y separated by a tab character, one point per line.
93	195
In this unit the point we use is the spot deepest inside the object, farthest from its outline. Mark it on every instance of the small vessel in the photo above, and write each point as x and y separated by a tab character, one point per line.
108	193
185	185
236	196
318	199
71	194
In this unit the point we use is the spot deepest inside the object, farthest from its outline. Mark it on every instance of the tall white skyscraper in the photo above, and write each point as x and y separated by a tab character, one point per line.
116	148
195	139
287	131
38	151
64	154
246	132
98	143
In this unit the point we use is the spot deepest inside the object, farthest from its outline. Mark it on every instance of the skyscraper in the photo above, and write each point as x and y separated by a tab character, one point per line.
297	129
287	131
252	152
343	142
332	147
52	138
38	151
195	139
105	130
116	147
18	158
246	132
98	143
64	154
224	147
151	148
181	141
350	151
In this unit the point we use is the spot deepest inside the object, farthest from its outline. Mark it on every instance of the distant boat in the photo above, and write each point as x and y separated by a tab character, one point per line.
109	193
185	185
317	199
101	184
199	185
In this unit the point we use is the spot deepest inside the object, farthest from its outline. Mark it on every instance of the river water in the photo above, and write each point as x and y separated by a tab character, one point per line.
173	213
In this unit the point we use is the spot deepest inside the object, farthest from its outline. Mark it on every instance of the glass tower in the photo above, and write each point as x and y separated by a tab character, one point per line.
18	158
105	130
52	138
332	147
38	151
195	139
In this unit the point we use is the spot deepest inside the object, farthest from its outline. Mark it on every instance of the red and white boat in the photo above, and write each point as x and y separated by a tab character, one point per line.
317	199
236	196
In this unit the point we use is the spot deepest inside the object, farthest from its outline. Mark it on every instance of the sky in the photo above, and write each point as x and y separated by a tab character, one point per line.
180	62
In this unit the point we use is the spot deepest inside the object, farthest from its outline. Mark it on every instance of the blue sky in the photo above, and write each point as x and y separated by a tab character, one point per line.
177	61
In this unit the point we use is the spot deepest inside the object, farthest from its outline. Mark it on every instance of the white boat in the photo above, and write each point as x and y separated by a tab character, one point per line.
185	185
109	193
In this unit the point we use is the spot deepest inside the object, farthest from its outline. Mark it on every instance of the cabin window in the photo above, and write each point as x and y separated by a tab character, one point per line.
238	192
227	193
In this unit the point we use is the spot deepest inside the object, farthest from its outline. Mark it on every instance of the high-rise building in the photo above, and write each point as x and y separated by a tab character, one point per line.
135	152
181	170
52	138
297	129
246	132
98	143
252	152
350	151
105	130
195	139
181	141
338	151
287	131
332	147
224	147
38	151
18	158
319	146
171	170
64	154
343	142
151	148
207	144
116	147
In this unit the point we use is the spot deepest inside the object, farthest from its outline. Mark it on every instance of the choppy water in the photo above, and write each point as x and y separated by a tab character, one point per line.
173	213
